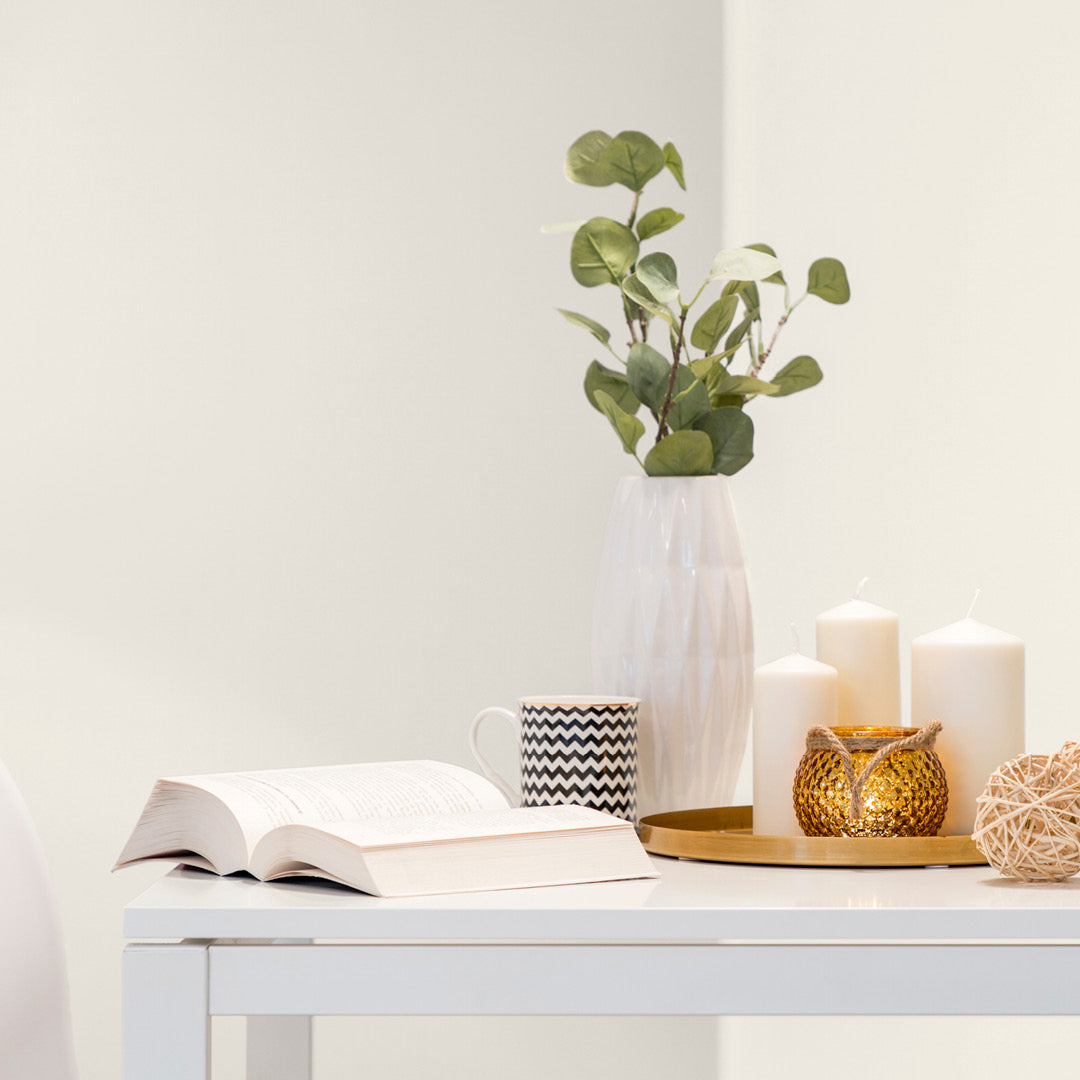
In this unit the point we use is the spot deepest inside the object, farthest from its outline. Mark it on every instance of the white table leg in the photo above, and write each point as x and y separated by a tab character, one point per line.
279	1048
166	1012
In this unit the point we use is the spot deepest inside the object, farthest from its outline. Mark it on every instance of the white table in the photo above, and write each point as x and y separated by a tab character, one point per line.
707	939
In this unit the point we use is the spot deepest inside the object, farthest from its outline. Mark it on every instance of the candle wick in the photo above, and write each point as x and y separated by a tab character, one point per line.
974	601
794	637
858	591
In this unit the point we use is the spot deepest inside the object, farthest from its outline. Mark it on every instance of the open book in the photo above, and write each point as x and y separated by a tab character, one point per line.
398	828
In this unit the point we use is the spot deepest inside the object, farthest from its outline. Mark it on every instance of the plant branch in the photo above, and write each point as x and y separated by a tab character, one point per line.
764	354
697	295
760	362
633	210
666	408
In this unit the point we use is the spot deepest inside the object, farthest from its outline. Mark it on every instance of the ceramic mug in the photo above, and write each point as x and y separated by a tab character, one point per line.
574	749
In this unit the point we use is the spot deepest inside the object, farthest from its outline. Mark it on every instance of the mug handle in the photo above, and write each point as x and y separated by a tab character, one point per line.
512	796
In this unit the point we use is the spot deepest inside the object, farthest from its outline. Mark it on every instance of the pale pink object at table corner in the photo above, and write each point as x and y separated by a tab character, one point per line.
35	1021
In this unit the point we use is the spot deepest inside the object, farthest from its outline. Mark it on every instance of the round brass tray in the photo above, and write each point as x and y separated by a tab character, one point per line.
724	835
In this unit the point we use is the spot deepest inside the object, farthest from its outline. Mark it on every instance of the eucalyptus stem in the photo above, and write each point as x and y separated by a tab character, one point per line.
607	345
764	355
666	408
704	284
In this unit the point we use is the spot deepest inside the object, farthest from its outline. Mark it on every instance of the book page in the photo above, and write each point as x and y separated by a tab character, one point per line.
265	799
481	849
478	824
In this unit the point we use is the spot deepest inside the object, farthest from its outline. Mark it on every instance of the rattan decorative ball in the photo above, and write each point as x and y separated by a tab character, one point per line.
1027	821
1070	752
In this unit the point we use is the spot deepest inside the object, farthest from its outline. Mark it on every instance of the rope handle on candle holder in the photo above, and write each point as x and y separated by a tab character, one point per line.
819	737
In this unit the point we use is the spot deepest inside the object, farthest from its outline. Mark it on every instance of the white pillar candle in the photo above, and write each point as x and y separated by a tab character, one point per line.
862	641
971	678
791	695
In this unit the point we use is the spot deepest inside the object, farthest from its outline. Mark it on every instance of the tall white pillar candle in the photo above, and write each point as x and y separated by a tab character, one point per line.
971	678
862	641
790	695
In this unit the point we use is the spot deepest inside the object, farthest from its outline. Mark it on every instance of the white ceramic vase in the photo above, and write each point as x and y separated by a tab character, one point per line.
672	626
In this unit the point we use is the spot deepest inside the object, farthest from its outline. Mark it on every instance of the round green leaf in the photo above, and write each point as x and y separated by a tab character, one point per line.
731	435
772	279
632	158
745	384
690	400
658	274
828	279
601	333
658	221
713	322
800	374
648	374
673	161
628	428
744	264
704	365
635	291
751	297
612	383
583	160
601	252
682	453
735	338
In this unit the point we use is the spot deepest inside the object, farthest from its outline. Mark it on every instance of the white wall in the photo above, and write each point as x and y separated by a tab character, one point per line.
931	146
294	459
296	465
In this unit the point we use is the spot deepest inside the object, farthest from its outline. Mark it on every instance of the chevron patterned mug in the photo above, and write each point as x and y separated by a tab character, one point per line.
574	749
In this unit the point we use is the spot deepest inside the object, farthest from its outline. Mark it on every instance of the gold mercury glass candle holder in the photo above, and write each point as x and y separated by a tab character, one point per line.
871	781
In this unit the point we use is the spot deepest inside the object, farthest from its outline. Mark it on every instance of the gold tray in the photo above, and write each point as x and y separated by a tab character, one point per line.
724	835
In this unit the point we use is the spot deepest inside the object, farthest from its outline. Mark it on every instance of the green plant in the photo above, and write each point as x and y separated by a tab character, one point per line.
698	404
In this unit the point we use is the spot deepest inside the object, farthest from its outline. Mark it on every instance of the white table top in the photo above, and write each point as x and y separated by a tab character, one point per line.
692	902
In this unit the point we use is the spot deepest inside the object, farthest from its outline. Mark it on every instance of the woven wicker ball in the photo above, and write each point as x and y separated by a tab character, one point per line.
1070	753
1027	821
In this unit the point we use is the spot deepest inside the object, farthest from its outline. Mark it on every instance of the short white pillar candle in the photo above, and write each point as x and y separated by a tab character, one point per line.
969	676
791	695
862	641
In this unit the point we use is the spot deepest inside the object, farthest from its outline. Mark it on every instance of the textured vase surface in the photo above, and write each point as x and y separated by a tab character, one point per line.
672	626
